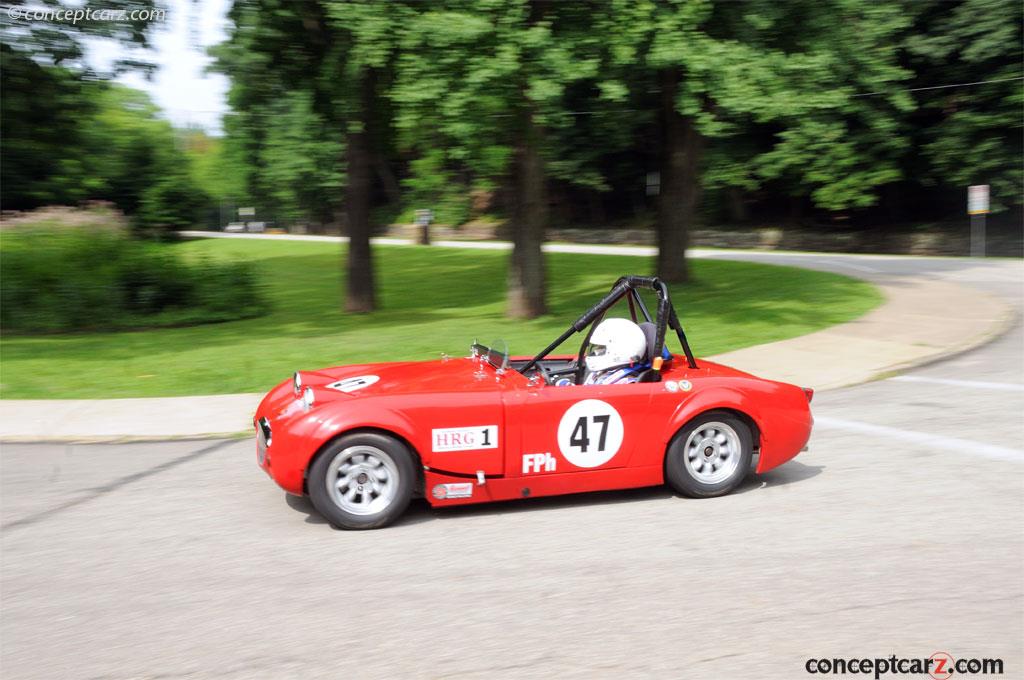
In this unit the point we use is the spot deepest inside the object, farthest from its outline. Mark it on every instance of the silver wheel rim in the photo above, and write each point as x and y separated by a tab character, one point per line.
362	480
712	453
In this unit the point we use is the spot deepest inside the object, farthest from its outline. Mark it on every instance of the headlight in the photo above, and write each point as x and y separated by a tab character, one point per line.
308	398
297	383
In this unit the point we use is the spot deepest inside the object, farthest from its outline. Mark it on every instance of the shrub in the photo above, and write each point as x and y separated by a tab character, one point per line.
55	278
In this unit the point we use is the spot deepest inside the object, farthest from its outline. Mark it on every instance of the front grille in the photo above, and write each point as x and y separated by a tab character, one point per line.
263	439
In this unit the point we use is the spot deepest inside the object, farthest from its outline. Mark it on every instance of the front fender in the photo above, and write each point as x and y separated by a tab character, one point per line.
357	415
298	438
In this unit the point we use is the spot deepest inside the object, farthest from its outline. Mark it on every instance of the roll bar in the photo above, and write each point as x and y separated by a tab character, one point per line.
629	285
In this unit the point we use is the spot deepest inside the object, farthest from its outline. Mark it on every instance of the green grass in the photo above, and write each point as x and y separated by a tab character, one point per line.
433	300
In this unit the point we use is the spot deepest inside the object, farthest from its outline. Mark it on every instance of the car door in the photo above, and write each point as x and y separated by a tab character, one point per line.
574	428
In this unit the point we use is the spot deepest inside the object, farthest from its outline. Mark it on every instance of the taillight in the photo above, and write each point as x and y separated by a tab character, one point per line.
809	393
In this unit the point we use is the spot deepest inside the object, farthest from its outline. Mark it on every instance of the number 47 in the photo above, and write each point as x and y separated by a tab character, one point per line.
579	436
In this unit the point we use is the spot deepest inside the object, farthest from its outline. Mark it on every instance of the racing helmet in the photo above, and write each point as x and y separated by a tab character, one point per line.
615	342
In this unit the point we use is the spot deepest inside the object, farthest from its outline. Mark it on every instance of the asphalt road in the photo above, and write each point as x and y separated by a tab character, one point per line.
900	532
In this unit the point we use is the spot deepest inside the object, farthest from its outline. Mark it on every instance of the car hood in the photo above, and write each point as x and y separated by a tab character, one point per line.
360	381
363	380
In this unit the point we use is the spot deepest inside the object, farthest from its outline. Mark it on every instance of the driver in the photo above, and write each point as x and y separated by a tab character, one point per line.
616	353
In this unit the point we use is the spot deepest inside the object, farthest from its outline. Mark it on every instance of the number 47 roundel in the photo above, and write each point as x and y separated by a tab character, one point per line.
590	433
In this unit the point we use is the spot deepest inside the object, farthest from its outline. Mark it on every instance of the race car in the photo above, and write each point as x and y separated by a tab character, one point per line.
622	412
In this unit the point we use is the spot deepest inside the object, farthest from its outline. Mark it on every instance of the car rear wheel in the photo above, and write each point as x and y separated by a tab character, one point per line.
362	481
710	456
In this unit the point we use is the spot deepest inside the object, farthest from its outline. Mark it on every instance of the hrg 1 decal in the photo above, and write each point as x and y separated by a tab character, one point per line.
465	438
590	433
353	384
538	462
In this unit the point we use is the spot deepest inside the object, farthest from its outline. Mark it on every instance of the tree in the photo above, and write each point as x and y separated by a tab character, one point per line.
40	122
68	133
790	70
974	130
488	84
335	56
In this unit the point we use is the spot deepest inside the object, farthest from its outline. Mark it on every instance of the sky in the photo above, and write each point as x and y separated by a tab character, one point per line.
180	87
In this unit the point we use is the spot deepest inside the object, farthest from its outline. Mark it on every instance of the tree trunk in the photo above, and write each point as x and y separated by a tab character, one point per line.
360	297
680	184
387	179
526	276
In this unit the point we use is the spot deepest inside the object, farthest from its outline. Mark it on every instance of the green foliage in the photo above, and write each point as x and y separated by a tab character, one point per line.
56	277
804	98
44	151
68	135
468	73
300	161
431	185
976	132
170	203
67	140
215	165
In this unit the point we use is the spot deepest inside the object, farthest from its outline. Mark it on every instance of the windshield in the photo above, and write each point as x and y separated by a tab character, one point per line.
496	354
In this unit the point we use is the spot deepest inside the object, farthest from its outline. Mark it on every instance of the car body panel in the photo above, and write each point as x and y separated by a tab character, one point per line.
467	422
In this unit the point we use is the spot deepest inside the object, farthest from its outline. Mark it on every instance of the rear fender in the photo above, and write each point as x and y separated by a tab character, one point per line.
714	399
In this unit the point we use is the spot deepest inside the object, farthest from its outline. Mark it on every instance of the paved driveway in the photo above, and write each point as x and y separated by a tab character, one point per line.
900	532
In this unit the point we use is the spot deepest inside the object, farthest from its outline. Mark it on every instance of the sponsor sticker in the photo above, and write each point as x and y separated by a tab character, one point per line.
353	384
459	490
464	438
590	433
538	462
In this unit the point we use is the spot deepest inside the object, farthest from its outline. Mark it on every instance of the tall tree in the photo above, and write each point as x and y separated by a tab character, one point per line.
487	82
51	93
974	129
792	69
334	53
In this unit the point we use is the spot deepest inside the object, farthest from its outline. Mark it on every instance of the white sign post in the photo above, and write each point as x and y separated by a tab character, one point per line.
423	220
977	208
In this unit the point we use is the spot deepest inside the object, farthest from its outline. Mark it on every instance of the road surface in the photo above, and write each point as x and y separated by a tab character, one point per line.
899	532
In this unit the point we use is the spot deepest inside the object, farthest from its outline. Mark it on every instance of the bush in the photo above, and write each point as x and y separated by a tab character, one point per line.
170	203
58	278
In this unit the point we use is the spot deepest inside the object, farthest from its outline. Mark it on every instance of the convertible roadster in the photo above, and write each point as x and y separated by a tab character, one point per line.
361	441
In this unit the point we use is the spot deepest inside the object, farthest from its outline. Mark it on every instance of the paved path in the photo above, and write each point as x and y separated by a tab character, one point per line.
931	311
898	533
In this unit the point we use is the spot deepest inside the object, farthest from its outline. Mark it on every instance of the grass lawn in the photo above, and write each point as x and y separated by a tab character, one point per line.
433	300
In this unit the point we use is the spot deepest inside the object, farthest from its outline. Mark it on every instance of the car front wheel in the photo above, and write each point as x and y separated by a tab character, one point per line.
710	456
362	481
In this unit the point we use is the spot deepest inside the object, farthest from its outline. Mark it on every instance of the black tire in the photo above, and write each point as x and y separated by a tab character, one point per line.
396	463
679	471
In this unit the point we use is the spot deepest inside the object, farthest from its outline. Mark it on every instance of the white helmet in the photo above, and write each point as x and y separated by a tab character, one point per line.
615	342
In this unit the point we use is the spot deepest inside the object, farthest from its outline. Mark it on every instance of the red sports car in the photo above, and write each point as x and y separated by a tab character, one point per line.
363	440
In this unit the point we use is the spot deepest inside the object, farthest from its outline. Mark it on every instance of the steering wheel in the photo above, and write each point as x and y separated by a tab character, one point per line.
550	375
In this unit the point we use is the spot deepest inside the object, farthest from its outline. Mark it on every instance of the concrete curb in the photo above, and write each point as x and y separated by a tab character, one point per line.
921	322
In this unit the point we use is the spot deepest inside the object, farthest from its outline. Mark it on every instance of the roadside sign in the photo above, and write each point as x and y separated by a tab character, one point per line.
424	217
977	199
653	183
247	212
423	220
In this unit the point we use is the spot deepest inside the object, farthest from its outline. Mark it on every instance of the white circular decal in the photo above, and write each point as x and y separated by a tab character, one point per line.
590	433
353	384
